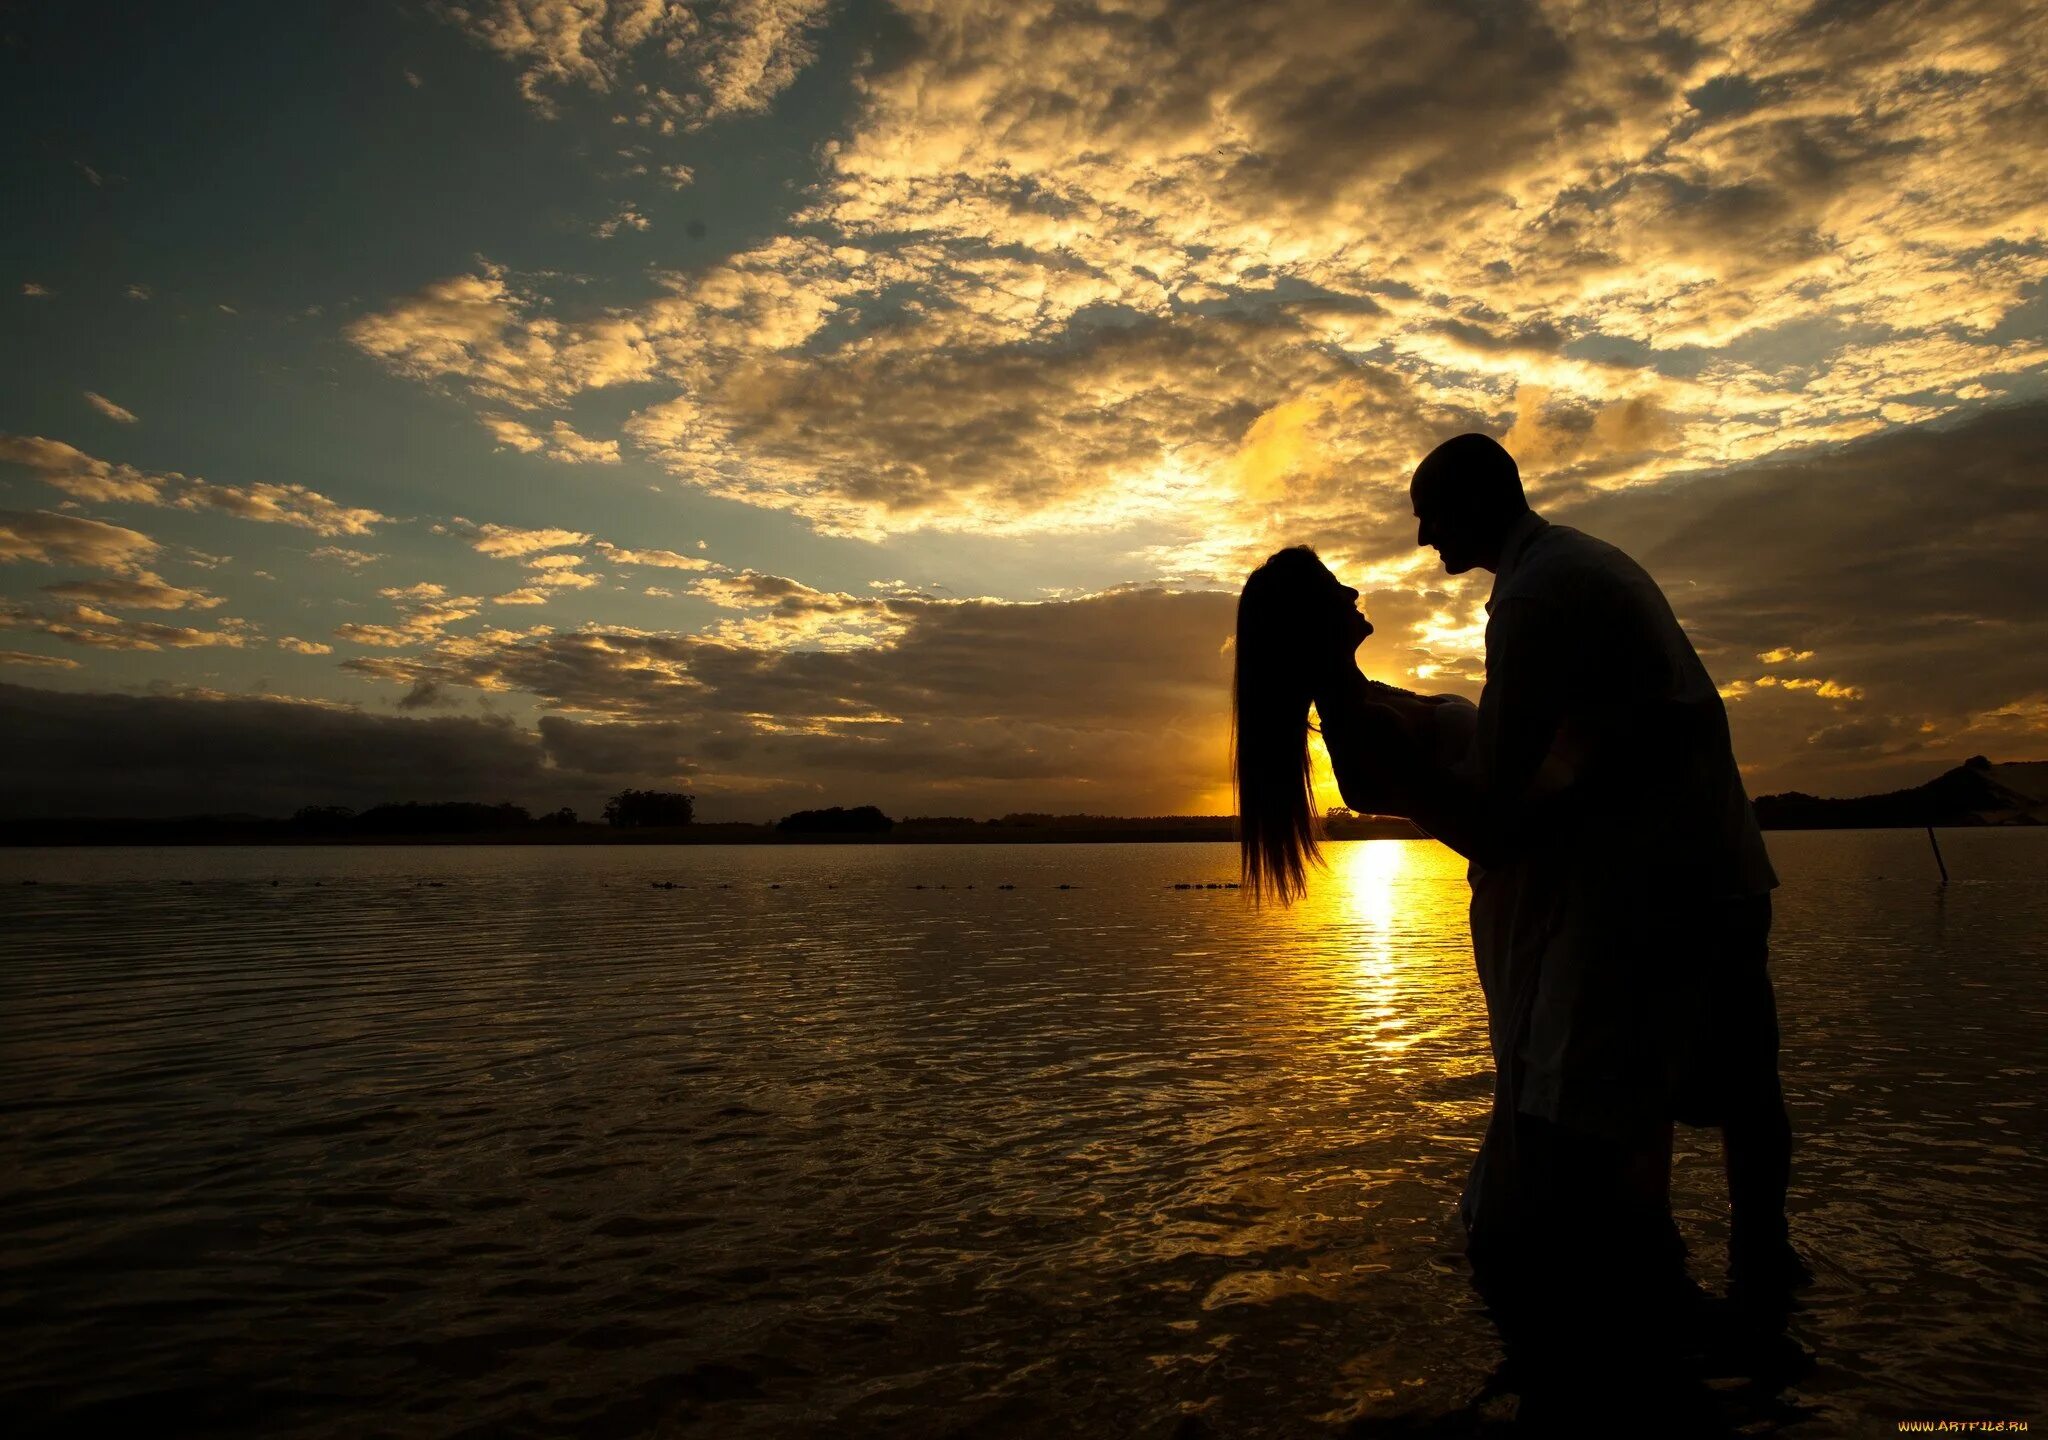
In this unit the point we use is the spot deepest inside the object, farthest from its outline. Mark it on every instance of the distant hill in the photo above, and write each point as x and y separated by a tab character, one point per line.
1976	792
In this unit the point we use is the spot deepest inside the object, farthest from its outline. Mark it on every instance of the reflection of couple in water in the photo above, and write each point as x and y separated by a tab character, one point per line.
1620	912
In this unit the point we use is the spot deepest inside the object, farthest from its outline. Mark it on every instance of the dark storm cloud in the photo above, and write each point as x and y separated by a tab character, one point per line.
1123	656
1106	703
1114	700
103	754
1909	564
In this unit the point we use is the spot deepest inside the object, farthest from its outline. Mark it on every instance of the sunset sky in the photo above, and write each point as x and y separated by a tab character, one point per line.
804	403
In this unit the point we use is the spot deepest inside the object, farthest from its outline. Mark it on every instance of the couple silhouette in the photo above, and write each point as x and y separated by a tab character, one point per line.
1620	916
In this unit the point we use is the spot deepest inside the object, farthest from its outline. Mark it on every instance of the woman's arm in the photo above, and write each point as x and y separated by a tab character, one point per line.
1384	749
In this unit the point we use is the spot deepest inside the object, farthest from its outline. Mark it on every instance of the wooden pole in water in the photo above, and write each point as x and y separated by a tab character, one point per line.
1937	854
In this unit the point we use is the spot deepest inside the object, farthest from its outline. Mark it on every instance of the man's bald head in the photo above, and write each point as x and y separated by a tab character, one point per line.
1467	493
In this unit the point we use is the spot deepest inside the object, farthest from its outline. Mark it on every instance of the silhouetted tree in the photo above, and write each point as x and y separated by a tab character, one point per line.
631	808
564	817
862	820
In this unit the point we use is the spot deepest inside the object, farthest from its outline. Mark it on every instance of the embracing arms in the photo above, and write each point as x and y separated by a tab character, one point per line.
1386	745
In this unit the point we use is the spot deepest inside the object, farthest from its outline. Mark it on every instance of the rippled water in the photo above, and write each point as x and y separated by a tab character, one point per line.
505	1140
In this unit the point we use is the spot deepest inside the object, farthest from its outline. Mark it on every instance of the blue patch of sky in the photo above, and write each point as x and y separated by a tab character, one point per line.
277	161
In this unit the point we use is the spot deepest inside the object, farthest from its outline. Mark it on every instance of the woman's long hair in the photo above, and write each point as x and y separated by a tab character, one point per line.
1269	759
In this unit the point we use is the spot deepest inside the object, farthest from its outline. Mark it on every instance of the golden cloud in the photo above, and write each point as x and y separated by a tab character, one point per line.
66	468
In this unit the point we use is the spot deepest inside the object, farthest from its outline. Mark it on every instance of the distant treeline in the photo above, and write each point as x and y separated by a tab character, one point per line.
641	817
1977	792
443	817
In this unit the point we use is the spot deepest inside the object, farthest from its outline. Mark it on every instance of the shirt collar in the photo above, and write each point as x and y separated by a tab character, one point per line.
1527	525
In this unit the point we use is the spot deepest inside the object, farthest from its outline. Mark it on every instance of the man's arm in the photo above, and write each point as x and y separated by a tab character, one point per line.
1484	807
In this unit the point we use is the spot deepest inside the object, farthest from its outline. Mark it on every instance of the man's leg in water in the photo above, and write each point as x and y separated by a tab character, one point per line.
1756	1133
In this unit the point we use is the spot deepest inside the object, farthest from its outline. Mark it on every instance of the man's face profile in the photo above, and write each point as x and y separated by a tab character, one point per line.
1441	526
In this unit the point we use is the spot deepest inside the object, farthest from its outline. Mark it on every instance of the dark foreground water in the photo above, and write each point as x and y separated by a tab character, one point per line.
504	1140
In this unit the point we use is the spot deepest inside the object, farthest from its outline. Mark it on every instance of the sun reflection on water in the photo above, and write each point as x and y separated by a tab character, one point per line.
1369	938
1362	888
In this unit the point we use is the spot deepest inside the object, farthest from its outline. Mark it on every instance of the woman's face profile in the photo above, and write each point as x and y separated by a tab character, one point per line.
1339	600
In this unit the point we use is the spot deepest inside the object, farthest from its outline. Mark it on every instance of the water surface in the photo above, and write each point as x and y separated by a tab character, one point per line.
432	1141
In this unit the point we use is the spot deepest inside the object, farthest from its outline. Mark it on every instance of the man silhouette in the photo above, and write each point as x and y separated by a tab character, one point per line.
1647	861
1619	920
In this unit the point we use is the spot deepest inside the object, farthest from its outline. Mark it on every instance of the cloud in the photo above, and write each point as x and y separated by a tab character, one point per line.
90	626
558	572
353	559
500	341
424	611
1916	609
546	574
426	695
78	474
1115	701
139	591
661	559
1181	283
118	414
625	218
694	63
281	505
560	443
53	539
35	291
1141	421
31	660
780	613
303	647
1650	242
71	470
1915	605
510	542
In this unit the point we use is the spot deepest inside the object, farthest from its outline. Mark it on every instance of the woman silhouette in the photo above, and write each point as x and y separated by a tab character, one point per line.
1296	623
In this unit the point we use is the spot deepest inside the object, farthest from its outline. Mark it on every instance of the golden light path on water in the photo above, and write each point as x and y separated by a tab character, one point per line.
1380	988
